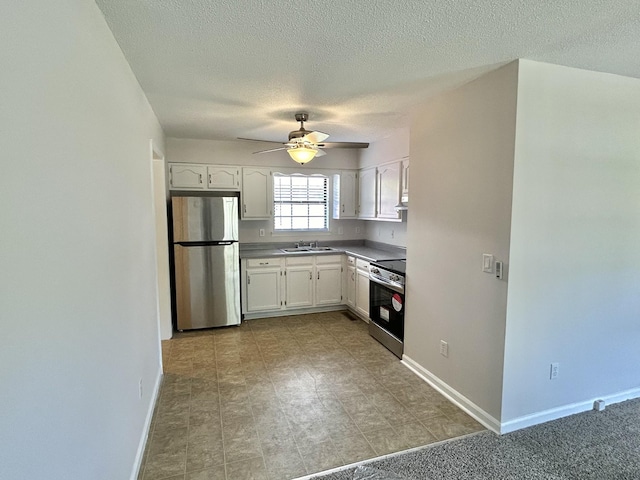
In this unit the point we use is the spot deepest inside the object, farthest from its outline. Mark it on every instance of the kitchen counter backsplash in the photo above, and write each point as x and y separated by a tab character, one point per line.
365	249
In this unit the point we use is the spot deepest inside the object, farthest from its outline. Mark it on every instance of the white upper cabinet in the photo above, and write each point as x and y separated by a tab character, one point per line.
367	198
345	194
389	190
380	191
257	193
223	178
404	179
185	176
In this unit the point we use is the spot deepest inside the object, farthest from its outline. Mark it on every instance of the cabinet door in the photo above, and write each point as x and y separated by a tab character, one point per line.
187	176
299	286
345	194
257	194
367	193
328	284
351	287
405	180
223	178
263	289
362	292
389	190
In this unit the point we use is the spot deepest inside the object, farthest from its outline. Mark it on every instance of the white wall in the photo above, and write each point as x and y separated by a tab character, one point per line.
241	153
575	255
77	288
393	147
461	175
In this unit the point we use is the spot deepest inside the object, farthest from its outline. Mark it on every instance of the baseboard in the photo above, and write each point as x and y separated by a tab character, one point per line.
452	395
147	425
296	311
517	423
565	410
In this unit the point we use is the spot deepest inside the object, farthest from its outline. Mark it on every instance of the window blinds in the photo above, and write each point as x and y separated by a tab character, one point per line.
300	202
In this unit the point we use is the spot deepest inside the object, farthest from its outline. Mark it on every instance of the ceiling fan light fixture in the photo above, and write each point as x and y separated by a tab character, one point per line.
302	155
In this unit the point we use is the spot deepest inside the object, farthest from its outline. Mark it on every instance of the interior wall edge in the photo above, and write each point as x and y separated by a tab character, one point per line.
144	437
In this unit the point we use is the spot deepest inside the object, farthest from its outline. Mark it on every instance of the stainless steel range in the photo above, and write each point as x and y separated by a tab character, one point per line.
386	303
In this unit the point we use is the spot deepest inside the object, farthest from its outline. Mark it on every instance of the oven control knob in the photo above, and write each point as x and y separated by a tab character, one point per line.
375	270
394	278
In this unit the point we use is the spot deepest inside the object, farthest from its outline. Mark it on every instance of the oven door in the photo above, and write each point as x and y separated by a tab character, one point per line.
386	307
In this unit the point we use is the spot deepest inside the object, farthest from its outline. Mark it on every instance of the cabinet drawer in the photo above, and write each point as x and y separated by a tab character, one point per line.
325	259
304	260
263	262
362	264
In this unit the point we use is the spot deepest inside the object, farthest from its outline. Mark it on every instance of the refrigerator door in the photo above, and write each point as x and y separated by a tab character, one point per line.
207	286
205	219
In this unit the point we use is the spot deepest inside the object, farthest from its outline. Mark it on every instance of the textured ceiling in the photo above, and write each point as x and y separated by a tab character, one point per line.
229	68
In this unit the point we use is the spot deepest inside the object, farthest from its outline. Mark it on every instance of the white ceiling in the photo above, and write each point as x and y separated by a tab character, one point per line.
241	68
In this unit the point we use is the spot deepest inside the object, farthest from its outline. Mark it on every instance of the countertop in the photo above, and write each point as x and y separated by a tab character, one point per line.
369	251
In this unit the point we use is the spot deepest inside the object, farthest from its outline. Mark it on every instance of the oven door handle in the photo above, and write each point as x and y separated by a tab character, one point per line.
390	285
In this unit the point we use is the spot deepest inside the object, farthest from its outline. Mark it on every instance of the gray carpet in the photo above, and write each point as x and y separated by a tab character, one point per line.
590	445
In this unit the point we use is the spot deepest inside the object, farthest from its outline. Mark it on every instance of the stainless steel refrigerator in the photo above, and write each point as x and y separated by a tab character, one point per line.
206	261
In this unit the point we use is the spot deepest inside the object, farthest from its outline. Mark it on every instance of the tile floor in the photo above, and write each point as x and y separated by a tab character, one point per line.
284	397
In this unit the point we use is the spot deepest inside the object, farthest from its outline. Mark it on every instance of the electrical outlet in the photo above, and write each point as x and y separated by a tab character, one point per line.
444	348
262	232
340	230
358	230
393	234
140	388
555	371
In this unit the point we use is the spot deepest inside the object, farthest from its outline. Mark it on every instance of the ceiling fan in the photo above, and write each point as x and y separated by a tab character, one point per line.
304	145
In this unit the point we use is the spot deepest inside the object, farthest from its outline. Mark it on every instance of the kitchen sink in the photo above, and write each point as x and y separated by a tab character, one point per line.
306	249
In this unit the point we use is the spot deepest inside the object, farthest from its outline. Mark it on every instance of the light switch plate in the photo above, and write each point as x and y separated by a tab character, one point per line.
487	263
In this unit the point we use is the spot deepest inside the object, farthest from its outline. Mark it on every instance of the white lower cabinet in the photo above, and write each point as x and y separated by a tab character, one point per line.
263	291
351	287
299	282
328	280
362	288
290	283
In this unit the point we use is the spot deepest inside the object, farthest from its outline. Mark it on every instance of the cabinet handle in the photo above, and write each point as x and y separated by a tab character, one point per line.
310	276
210	177
200	177
343	208
318	275
245	207
248	280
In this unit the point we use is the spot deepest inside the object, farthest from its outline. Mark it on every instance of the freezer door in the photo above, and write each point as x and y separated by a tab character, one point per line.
207	286
204	219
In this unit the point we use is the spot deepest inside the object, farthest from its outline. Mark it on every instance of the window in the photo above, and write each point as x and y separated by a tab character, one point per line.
300	202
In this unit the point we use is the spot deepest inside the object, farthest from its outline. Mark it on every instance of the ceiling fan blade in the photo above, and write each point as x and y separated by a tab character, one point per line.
271	150
316	137
343	145
320	153
256	140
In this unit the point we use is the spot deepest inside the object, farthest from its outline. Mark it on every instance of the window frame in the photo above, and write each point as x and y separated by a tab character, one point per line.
280	203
